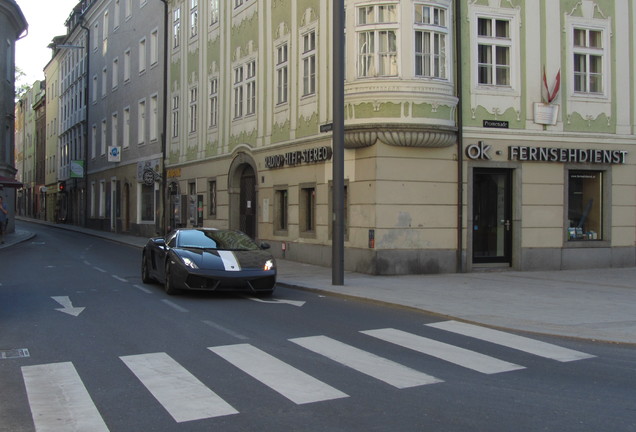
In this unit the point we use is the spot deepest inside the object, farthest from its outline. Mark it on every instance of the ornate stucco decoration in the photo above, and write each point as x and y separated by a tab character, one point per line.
400	135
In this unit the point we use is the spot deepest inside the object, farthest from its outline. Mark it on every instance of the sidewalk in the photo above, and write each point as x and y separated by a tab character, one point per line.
597	304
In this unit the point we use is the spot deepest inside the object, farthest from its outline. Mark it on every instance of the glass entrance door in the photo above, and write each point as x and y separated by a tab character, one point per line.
492	216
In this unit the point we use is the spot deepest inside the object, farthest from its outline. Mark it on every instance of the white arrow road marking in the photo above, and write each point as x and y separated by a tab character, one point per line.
67	306
277	301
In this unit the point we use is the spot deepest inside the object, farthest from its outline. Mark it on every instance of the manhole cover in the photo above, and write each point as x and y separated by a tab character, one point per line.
14	353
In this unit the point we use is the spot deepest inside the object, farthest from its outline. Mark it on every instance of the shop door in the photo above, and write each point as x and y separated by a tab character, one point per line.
248	202
492	216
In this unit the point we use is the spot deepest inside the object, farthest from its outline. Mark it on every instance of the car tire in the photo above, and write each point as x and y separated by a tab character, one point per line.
265	294
168	285
145	273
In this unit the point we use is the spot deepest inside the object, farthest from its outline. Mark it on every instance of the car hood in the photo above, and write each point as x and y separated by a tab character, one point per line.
212	259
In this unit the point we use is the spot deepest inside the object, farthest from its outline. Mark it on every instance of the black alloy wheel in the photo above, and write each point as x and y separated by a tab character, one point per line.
168	286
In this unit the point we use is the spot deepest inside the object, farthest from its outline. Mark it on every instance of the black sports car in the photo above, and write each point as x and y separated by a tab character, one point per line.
208	259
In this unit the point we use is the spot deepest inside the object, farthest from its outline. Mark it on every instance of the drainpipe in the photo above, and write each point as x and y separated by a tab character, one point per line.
460	137
86	103
164	181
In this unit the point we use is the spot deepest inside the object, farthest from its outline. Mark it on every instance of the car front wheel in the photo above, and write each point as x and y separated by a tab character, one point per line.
145	273
168	285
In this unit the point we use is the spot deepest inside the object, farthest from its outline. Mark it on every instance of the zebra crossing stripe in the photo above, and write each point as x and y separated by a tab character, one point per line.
390	372
181	393
453	354
59	400
509	340
290	382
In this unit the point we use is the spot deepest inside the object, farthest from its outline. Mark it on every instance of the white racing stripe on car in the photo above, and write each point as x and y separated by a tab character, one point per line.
229	261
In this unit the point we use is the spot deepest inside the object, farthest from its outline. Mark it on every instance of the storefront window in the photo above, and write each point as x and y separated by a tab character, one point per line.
147	203
585	204
280	214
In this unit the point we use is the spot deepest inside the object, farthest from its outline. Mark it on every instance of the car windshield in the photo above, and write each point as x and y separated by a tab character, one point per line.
215	239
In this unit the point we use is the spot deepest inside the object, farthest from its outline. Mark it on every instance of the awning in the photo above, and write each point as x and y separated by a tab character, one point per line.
9	182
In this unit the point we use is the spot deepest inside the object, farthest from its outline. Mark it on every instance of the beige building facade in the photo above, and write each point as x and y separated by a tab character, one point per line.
449	165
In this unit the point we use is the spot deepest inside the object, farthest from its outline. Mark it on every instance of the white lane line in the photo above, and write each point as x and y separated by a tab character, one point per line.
450	353
290	382
142	288
99	269
390	372
121	279
174	305
59	400
513	341
181	393
225	330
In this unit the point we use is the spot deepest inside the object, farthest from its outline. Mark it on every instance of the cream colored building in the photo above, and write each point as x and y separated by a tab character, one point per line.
449	166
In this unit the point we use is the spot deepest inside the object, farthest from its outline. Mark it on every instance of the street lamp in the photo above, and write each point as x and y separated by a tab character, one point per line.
337	245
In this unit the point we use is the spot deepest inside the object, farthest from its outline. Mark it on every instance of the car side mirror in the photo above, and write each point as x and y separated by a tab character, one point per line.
160	242
265	245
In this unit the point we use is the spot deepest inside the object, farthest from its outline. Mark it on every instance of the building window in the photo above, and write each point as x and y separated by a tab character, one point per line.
280	211
194	92
377	41
147	203
116	14
175	116
105	34
115	73
194	17
214	12
94	141
141	122
154	47
585	205
431	33
102	199
114	130
307	210
93	199
102	144
128	7
250	86
308	60
104	81
95	37
494	46
282	61
94	89
154	117
142	56
127	65
126	131
238	92
588	60
176	27
212	197
213	102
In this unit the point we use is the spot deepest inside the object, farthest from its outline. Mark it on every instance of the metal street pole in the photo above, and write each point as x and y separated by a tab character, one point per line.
337	245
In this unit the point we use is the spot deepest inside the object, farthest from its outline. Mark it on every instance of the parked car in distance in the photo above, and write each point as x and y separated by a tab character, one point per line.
208	259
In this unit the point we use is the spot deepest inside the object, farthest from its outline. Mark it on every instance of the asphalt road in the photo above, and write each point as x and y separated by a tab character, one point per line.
84	345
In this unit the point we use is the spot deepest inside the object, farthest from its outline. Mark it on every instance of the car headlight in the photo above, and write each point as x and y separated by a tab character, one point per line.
269	264
189	263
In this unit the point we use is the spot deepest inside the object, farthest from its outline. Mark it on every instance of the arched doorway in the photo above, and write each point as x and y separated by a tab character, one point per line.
243	195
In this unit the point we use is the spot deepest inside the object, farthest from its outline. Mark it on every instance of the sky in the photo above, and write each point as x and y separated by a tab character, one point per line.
46	19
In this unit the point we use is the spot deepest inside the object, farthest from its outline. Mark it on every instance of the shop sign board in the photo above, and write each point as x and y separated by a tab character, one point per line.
312	155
